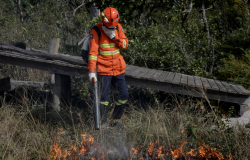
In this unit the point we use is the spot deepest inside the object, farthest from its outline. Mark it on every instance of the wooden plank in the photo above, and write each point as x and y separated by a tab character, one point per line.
178	89
162	77
237	88
205	83
131	69
213	85
35	59
148	74
155	75
141	73
228	87
42	65
221	86
44	54
170	77
135	72
244	90
191	82
184	79
177	78
15	84
127	67
198	83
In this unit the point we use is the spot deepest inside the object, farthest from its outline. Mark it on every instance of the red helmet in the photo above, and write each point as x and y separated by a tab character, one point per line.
110	17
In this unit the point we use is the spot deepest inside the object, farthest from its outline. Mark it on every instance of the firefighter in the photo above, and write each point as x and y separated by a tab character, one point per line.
104	54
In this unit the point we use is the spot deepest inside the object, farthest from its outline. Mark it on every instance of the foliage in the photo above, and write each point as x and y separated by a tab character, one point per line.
173	39
211	39
237	70
163	34
42	20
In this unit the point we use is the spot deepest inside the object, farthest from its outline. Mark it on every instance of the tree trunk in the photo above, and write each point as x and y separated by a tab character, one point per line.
209	50
206	23
94	11
18	2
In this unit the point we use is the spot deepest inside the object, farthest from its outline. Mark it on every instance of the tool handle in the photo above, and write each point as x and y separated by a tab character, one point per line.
96	104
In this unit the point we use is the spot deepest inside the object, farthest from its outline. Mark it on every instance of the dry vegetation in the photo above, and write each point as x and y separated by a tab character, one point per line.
30	130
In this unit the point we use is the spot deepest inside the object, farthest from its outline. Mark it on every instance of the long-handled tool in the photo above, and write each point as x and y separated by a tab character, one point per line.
96	104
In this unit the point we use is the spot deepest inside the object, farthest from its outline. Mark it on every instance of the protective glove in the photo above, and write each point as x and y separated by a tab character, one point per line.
109	32
92	75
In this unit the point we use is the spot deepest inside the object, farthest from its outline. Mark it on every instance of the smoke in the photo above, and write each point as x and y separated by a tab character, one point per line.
112	144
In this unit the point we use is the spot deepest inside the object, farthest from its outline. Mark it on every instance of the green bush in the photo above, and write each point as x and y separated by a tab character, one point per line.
236	70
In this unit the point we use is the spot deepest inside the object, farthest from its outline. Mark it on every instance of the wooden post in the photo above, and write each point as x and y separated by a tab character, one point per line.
243	109
61	87
55	78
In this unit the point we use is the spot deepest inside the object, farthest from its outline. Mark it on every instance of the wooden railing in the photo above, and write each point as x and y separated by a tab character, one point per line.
170	82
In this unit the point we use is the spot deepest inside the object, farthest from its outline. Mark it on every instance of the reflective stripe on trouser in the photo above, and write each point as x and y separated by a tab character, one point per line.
118	82
105	103
120	102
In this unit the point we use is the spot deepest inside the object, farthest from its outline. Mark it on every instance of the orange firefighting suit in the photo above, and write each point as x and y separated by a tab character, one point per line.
105	54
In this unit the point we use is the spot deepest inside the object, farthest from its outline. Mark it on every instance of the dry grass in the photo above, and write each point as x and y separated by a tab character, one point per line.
24	74
29	127
21	138
24	135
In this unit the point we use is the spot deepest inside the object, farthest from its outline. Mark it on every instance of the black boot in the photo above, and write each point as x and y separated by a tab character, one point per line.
103	114
116	115
118	111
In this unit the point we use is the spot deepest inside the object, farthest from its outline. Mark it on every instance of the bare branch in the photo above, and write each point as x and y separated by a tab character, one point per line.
65	15
207	8
78	8
205	22
185	14
18	2
213	57
189	8
176	3
248	13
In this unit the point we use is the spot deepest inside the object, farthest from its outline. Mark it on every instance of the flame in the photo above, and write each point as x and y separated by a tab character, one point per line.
191	153
88	146
177	153
159	152
136	150
56	151
151	147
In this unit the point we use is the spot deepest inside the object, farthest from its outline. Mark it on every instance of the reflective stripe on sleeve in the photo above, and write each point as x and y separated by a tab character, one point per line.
107	53
107	45
93	58
124	43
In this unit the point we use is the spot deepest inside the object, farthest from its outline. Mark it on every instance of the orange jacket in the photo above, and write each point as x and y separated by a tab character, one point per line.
106	54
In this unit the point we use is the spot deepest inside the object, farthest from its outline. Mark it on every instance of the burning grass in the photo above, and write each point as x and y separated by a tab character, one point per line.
152	133
88	149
